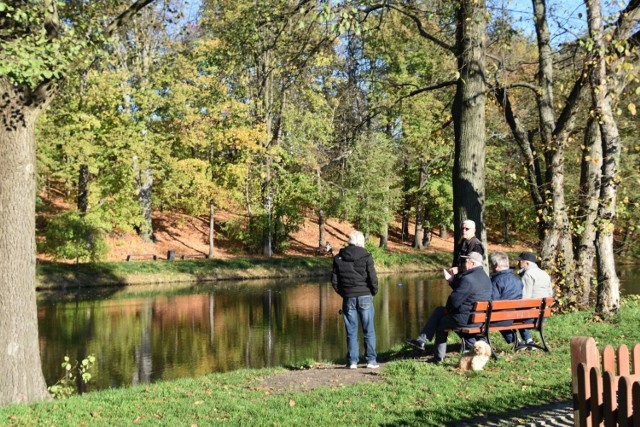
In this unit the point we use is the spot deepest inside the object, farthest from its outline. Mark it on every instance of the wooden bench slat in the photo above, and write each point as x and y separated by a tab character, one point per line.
515	304
523	314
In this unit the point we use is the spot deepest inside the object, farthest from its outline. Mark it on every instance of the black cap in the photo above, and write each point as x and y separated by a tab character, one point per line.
527	256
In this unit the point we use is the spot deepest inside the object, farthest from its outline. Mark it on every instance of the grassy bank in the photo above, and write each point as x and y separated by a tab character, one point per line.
57	275
412	392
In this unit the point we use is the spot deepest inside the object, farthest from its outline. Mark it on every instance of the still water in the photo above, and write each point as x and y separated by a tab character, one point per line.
145	334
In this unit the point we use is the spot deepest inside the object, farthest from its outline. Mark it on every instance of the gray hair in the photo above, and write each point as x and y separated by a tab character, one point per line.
356	238
469	223
499	259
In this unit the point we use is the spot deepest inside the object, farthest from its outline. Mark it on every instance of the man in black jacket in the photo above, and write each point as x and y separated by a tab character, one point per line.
354	279
469	286
468	243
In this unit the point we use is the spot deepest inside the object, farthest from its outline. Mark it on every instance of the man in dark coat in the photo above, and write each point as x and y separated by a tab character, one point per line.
469	286
469	243
506	285
354	279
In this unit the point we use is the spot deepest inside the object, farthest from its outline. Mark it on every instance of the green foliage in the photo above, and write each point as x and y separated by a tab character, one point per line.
66	386
72	236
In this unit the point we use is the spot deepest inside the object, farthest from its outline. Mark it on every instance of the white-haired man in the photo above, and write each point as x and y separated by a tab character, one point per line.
468	243
354	279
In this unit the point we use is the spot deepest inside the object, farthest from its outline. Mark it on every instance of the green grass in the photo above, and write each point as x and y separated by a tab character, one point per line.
57	275
413	393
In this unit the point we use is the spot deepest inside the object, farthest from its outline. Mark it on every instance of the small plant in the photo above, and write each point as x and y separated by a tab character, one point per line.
66	386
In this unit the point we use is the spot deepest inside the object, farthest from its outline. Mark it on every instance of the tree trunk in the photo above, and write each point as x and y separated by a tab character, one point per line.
557	246
322	239
384	237
608	300
505	226
469	119
590	175
144	184
20	366
83	189
417	236
212	211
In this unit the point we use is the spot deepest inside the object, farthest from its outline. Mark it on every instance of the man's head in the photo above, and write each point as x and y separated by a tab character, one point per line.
356	238
468	229
525	259
474	259
499	261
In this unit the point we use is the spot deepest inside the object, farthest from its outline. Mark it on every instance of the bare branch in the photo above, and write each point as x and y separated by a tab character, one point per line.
416	21
126	16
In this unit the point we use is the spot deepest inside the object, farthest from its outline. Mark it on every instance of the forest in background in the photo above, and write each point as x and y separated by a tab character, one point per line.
520	117
278	110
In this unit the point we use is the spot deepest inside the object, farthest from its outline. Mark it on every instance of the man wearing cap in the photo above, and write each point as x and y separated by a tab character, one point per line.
469	286
537	284
469	243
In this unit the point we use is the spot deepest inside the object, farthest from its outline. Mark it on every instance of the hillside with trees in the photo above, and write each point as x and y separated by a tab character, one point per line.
246	120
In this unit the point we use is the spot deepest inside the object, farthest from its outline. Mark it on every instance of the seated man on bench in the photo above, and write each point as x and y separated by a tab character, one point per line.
469	286
506	286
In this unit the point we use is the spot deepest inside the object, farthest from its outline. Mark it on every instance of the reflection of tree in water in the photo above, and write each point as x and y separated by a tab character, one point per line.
143	352
223	326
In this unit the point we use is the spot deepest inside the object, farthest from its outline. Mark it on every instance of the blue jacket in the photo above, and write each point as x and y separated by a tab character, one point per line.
506	285
468	287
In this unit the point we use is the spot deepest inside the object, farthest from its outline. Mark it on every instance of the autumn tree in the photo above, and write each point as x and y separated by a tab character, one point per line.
40	44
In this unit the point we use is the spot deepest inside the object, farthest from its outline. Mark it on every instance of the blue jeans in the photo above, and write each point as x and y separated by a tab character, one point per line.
355	308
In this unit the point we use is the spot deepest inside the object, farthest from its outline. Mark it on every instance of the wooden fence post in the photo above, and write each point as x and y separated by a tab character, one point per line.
583	351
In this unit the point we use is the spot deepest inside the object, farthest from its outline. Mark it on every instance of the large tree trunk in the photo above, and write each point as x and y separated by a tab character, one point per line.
608	300
20	367
557	246
469	119
590	175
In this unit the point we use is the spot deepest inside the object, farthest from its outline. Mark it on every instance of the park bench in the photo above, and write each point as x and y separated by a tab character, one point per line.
132	257
523	313
193	256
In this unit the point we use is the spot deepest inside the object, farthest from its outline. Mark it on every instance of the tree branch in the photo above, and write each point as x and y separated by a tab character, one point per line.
416	20
125	16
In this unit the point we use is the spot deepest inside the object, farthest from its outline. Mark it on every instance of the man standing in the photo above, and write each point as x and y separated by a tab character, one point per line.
354	279
469	243
537	284
506	285
469	286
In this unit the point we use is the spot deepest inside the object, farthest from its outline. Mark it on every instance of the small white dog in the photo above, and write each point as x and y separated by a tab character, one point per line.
476	358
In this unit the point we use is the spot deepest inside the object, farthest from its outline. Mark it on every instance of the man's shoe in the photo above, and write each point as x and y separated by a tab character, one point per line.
353	366
435	360
372	365
416	343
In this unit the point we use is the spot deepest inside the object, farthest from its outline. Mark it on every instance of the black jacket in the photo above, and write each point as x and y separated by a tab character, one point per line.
465	248
353	273
468	287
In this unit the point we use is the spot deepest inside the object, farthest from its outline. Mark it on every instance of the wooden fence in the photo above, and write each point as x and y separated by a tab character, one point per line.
605	392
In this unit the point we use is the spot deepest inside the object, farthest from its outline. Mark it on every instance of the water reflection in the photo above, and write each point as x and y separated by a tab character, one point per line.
141	335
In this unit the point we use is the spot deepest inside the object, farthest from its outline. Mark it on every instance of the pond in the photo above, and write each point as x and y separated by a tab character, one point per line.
146	334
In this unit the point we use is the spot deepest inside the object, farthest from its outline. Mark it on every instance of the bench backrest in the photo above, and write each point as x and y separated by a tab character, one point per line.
515	310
